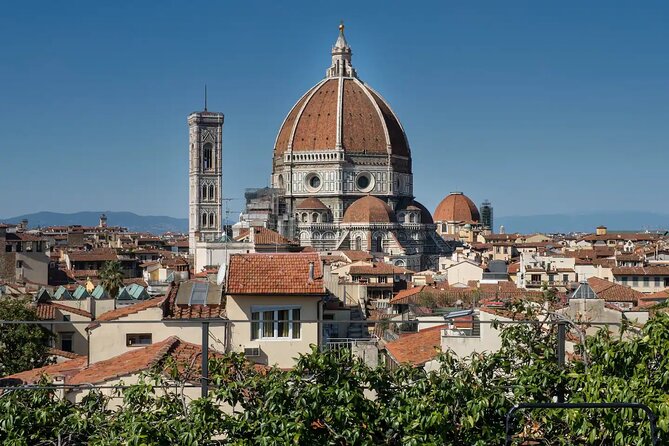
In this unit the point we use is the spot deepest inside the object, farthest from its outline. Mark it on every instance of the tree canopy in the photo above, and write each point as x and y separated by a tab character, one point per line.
335	399
22	346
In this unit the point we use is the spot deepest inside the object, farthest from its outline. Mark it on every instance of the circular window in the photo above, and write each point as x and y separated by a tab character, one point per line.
364	182
313	182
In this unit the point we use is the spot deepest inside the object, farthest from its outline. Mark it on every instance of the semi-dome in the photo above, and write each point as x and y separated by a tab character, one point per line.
342	113
369	209
457	207
312	203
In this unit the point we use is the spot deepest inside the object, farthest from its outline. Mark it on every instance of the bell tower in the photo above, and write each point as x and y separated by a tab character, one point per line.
205	132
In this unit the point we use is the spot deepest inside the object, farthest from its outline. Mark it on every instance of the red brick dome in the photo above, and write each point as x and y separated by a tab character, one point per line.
369	209
457	207
342	112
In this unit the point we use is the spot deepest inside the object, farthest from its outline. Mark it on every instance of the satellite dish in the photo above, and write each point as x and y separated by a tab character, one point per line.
220	277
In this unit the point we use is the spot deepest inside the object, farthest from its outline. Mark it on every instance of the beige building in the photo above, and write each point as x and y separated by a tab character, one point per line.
272	291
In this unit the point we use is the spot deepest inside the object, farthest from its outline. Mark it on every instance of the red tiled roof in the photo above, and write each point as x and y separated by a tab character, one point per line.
355	256
131	309
402	298
137	360
613	292
66	368
514	268
416	348
97	255
197	311
276	273
264	236
64	354
641	270
378	268
46	311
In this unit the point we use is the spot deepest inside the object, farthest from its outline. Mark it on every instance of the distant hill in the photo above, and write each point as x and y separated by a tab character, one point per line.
585	222
134	222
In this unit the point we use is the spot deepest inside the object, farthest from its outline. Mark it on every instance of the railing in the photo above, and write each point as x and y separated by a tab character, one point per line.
341	343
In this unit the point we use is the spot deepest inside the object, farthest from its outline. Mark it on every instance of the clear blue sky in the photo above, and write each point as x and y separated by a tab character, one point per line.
541	108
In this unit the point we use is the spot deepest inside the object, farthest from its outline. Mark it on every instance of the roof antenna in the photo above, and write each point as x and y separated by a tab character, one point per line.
205	97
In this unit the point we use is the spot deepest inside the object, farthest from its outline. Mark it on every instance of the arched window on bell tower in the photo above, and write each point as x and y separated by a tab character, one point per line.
207	156
212	196
204	220
212	220
204	192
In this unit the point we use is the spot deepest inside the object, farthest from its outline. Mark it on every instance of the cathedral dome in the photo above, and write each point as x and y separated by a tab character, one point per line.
342	113
457	207
369	209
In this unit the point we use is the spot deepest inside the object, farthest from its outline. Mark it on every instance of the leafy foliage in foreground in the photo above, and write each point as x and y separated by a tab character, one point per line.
334	399
22	346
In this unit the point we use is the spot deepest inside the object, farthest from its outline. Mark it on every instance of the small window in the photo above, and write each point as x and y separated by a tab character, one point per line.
212	220
624	280
657	281
565	278
646	281
204	192
204	219
138	339
635	281
212	196
66	318
66	341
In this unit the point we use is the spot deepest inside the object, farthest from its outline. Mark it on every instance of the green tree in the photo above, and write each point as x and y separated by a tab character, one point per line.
22	346
111	277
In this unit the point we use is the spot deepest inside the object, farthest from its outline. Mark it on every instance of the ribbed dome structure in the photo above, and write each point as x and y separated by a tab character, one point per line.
369	209
342	113
457	207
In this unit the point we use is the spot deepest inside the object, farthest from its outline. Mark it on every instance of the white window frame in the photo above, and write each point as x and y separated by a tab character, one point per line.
275	335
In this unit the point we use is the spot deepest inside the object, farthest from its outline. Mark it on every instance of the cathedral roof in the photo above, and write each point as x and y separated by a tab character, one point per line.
342	113
312	203
369	209
457	207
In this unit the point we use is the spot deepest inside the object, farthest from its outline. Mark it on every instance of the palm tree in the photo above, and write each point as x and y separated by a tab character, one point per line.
111	277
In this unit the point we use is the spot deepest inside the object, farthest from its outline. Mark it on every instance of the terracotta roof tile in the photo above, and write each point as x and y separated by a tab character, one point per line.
613	292
174	311
641	270
76	372
118	313
378	268
280	273
416	348
99	255
264	236
403	296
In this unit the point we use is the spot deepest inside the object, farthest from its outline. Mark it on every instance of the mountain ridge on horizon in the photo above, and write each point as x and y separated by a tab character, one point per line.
551	223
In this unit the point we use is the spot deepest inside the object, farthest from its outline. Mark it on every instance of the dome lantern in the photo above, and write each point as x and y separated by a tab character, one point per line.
341	57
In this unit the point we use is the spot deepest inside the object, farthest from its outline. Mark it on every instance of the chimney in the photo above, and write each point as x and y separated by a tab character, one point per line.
311	272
